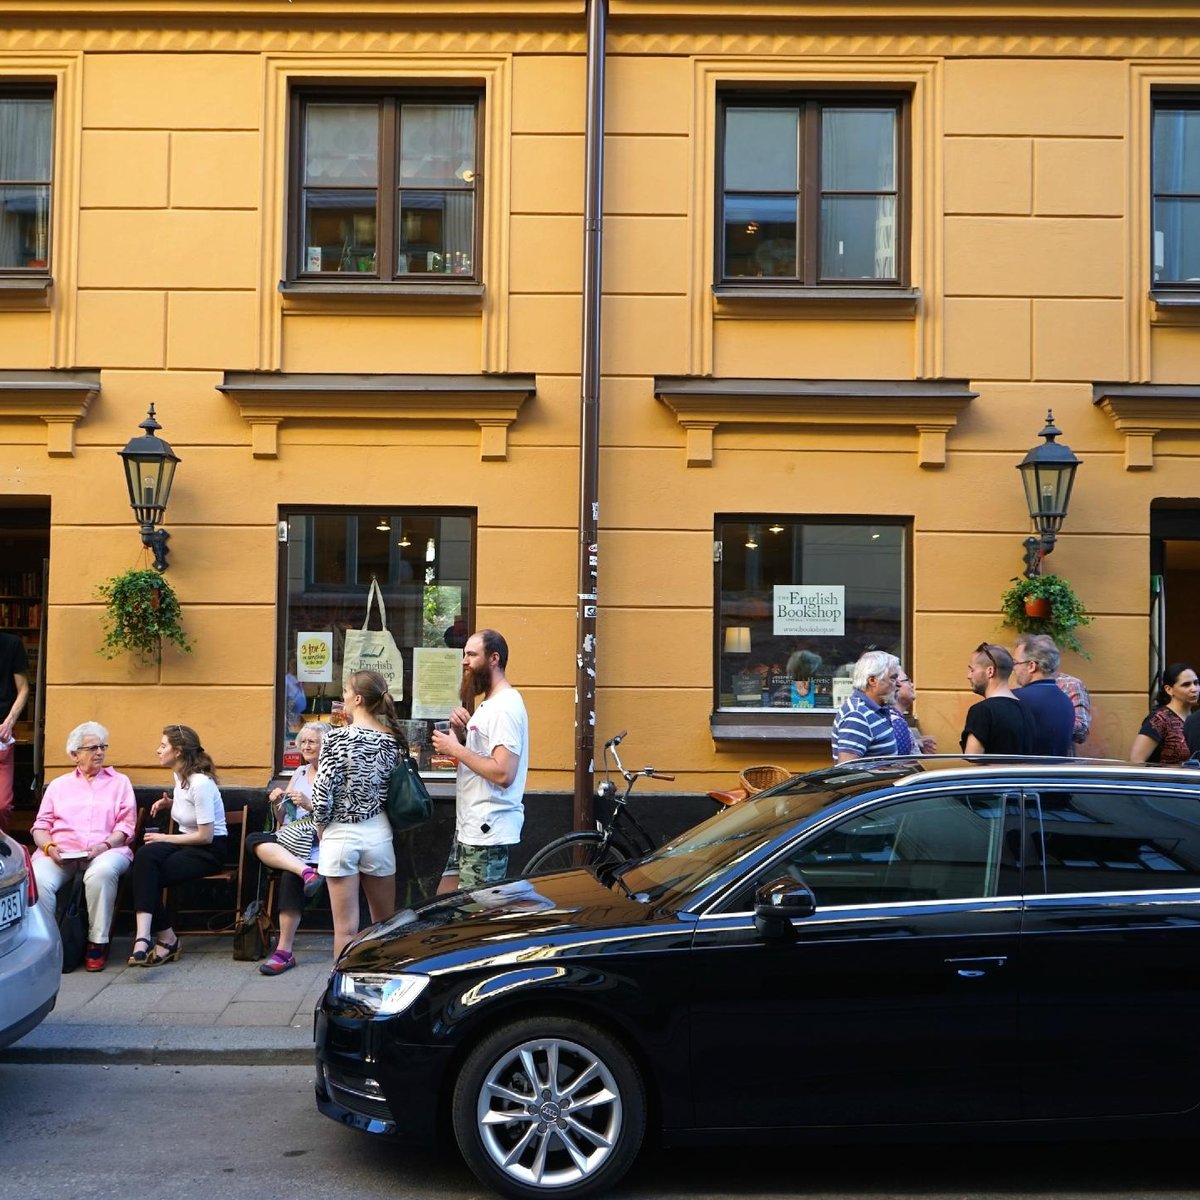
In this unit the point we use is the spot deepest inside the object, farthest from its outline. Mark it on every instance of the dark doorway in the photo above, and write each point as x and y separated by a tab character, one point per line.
1175	583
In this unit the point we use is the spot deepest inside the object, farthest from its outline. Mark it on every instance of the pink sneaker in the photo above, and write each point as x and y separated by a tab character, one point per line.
279	962
312	881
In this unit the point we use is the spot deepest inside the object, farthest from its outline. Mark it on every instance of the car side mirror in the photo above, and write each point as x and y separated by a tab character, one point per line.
778	903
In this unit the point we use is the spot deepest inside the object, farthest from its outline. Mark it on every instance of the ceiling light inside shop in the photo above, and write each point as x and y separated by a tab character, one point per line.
430	551
384	526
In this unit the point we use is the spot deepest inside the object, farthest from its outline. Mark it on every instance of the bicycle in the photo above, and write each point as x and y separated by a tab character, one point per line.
619	838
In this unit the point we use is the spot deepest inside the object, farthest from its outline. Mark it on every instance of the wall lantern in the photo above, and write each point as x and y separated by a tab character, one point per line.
149	471
1048	473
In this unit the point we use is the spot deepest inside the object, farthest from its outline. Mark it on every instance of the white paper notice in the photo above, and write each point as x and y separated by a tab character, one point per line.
437	673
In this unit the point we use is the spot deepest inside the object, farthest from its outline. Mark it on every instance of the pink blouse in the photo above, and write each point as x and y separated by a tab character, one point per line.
78	814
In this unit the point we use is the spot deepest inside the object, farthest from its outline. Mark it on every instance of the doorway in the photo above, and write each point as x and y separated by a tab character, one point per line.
1174	585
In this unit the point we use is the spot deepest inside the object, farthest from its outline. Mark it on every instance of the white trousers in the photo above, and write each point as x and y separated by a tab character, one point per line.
100	881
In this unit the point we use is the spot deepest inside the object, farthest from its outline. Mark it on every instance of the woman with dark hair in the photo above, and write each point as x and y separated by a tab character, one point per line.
1160	738
195	850
348	806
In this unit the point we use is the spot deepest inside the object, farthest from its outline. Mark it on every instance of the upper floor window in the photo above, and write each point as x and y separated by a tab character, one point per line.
385	186
1176	190
26	170
811	191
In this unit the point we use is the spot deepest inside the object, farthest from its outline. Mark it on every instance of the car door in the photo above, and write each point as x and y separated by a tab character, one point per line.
1110	951
894	1001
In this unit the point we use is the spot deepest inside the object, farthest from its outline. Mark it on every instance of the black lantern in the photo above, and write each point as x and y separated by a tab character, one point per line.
149	471
1048	473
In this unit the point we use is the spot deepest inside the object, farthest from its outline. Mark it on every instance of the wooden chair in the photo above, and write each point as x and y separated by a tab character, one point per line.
237	820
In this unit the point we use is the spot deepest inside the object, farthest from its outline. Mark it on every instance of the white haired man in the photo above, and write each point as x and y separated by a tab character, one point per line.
863	726
85	823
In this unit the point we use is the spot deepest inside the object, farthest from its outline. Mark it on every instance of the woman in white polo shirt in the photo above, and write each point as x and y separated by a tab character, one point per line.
195	850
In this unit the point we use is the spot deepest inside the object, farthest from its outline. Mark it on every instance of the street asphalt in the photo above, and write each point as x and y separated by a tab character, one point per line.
204	1008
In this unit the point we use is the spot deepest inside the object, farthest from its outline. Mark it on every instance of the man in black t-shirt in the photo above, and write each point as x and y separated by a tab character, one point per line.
1000	723
14	691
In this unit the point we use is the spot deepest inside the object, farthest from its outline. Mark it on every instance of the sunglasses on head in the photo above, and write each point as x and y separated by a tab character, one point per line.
985	649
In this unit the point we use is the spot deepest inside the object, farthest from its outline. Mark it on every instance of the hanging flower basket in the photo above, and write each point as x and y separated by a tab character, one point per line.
1046	604
1037	606
141	611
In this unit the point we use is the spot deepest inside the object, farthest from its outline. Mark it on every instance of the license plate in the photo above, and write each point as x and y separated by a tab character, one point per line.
10	907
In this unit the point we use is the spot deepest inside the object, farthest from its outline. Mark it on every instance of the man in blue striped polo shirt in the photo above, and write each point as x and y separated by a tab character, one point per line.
862	727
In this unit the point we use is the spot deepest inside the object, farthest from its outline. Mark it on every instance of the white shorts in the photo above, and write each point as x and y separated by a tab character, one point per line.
364	848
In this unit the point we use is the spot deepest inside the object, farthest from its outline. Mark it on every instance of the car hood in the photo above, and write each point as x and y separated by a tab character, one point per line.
511	921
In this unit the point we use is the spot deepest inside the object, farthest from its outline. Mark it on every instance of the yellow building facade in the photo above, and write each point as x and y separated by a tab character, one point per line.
852	254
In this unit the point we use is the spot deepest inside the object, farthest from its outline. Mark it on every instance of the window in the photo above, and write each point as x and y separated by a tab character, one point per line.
423	561
1175	152
26	159
798	602
385	187
1098	841
811	191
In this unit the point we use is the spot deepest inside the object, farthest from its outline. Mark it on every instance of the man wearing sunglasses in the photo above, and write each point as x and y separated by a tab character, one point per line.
1000	723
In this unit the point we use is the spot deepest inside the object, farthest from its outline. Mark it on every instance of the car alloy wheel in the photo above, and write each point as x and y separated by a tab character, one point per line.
549	1106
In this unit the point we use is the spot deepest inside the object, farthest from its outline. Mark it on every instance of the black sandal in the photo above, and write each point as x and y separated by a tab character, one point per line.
140	958
173	952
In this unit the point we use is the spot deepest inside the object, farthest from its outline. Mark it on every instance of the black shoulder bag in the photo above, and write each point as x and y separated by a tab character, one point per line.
70	911
408	801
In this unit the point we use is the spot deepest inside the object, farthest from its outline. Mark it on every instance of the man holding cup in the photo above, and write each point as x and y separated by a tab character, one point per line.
491	747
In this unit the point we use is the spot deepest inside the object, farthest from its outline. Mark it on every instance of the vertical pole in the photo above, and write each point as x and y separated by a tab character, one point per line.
589	423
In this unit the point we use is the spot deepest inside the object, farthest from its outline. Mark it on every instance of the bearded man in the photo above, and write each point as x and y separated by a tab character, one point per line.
492	749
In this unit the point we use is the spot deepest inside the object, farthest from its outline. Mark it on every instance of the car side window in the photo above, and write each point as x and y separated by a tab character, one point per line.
1110	841
943	847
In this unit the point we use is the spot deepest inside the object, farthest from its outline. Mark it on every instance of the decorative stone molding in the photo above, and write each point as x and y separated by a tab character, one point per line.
60	398
1140	411
267	400
928	407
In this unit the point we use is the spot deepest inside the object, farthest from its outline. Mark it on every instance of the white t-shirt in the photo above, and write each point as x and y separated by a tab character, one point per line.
486	814
302	782
198	802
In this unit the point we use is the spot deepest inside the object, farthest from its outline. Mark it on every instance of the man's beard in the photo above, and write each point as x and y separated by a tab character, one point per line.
474	683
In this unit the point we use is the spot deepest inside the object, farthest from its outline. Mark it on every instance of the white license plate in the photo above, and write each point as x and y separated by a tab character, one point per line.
10	908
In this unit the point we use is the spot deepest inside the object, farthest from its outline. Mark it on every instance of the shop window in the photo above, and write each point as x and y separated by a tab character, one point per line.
1176	190
26	170
385	187
424	563
798	601
811	190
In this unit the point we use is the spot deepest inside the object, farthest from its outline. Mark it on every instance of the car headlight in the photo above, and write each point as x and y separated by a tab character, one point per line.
385	994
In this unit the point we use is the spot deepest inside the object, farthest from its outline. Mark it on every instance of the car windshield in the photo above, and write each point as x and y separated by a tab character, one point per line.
688	863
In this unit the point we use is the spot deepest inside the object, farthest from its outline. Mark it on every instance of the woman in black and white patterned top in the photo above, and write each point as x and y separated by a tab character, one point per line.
348	806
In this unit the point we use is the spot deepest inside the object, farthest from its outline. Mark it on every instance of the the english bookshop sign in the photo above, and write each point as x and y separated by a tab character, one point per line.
809	611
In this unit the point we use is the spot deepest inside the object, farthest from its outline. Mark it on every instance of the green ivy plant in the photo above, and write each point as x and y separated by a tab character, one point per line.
1067	613
142	611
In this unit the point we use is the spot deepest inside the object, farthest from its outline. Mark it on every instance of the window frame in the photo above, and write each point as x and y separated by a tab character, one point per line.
47	90
810	103
390	96
802	722
1165	98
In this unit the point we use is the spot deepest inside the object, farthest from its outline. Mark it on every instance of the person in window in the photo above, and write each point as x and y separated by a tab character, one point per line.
14	692
1162	738
292	848
348	805
85	823
1000	723
196	849
863	726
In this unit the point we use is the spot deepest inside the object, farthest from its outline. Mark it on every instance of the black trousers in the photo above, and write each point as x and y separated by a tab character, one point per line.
291	887
162	864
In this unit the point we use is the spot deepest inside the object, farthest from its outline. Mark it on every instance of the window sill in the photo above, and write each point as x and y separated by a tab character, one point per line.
893	302
1175	306
59	398
25	293
1141	411
728	726
342	296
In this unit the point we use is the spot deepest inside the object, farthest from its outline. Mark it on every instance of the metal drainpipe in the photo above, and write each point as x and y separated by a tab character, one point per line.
589	421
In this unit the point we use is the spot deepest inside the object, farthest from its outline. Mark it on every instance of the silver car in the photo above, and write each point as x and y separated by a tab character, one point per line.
30	949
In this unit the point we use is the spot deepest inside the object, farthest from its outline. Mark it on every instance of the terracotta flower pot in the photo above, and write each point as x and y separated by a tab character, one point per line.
1037	606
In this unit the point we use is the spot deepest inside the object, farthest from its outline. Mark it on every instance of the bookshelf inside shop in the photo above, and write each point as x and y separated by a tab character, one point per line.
24	545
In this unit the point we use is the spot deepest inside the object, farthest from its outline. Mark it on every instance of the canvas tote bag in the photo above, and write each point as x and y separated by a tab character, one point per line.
374	649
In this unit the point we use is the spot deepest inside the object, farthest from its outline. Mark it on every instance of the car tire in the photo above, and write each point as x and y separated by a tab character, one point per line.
572	1132
582	849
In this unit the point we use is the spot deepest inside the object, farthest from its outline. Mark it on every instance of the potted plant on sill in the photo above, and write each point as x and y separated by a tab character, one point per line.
141	610
1060	611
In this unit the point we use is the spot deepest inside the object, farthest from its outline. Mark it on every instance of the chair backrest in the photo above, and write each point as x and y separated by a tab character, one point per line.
237	821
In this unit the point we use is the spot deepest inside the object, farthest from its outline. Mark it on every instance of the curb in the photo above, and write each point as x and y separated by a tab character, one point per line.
157	1056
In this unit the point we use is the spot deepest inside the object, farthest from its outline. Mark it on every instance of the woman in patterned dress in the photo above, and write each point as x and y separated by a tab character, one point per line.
1160	738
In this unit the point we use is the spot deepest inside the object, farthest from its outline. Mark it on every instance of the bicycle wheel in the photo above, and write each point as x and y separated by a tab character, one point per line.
581	849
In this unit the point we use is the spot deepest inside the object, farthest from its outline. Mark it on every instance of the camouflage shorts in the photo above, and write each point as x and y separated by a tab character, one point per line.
477	865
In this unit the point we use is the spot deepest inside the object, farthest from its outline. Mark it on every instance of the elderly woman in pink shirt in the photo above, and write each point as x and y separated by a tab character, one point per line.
85	823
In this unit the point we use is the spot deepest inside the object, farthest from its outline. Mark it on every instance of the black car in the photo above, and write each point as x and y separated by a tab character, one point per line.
884	950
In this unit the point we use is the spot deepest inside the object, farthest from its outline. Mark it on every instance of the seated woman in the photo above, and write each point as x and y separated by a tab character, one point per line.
196	850
292	848
85	823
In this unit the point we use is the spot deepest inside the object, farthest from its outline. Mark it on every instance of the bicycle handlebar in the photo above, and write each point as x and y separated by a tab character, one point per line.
616	740
657	774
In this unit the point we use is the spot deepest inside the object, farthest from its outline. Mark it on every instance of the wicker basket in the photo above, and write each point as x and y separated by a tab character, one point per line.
758	779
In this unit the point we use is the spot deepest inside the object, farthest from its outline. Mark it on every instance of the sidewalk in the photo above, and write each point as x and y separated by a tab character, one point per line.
205	1008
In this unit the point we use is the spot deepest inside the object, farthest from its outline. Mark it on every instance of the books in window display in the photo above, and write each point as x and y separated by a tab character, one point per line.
787	692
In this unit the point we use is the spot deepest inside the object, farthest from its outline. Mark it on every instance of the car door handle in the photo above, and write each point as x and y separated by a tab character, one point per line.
975	968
